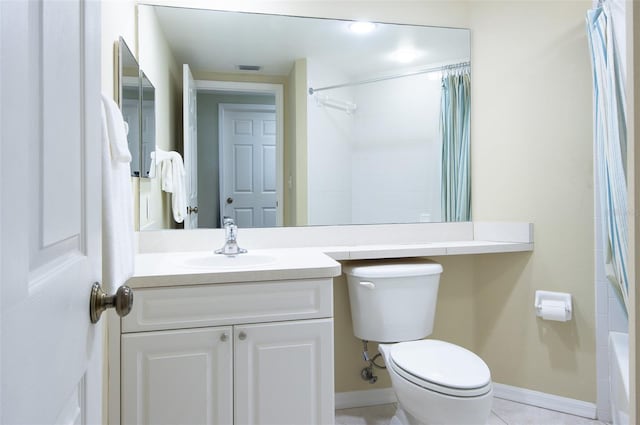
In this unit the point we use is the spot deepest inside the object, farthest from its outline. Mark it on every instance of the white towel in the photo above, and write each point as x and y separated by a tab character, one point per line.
157	157
172	180
118	251
117	131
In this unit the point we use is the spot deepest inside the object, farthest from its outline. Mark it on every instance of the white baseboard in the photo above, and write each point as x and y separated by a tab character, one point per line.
571	406
544	400
364	398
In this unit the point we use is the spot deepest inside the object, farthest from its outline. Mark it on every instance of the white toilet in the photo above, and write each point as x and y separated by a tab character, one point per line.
394	302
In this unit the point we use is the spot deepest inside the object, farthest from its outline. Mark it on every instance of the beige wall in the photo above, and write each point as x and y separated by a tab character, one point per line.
531	161
118	20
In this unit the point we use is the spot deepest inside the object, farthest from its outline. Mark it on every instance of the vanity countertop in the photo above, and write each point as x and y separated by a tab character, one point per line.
432	249
192	268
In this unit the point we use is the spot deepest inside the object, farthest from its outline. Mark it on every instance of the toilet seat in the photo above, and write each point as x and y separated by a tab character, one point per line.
442	367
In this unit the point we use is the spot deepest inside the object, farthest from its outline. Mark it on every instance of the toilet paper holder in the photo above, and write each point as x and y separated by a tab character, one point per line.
549	298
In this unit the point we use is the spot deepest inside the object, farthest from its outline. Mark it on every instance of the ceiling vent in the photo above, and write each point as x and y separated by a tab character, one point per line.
249	67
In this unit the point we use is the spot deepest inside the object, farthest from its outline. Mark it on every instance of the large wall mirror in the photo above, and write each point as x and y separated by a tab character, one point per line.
305	121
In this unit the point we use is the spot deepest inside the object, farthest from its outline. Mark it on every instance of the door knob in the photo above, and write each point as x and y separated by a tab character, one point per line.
229	200
192	210
122	301
242	336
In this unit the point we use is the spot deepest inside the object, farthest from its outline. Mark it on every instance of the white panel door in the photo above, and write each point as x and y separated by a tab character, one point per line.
190	123
178	377
248	164
50	219
284	373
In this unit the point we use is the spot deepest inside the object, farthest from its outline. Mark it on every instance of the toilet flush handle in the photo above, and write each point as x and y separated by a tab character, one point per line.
368	285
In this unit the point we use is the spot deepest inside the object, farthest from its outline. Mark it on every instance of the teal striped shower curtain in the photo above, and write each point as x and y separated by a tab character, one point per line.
454	130
610	139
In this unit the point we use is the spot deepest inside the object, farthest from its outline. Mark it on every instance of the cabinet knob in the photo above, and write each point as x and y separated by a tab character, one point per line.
224	337
242	336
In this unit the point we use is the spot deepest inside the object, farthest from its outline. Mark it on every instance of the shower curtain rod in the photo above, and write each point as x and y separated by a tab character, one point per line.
391	77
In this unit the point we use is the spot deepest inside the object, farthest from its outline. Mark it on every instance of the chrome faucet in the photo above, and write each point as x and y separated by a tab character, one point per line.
230	246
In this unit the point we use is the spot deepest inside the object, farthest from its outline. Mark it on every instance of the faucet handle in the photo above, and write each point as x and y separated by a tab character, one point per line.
233	232
226	221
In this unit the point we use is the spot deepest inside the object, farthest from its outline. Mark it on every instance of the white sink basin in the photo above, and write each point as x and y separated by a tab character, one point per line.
214	261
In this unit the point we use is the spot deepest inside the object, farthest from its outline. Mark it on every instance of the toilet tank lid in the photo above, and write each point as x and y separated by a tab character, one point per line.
391	268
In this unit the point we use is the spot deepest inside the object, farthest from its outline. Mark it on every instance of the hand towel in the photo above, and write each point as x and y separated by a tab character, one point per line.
117	131
172	178
157	156
118	249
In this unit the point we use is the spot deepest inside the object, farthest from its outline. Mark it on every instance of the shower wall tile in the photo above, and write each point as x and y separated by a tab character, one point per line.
602	297
603	407
602	332
618	321
599	265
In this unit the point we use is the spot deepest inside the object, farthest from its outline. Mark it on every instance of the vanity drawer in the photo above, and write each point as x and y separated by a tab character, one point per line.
183	307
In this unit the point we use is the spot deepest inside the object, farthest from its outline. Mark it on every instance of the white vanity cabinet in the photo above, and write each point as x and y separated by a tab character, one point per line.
283	373
178	377
237	353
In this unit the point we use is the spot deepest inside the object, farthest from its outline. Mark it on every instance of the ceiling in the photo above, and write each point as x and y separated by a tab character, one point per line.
219	41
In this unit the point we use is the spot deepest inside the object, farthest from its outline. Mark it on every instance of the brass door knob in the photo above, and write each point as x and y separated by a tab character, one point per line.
122	301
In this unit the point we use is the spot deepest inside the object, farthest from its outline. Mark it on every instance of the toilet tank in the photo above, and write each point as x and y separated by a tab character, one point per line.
393	300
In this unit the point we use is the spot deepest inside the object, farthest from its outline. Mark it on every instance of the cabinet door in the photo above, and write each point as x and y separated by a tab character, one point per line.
284	373
178	377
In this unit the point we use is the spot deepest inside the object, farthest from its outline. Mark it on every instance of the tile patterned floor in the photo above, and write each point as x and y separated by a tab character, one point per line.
503	412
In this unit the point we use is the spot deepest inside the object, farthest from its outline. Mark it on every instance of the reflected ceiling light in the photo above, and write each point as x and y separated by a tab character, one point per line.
405	55
362	27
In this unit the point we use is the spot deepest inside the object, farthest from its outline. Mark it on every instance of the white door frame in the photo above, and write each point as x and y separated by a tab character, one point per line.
277	91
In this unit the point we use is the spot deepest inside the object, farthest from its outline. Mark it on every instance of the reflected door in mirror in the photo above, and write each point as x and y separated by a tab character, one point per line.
248	164
190	118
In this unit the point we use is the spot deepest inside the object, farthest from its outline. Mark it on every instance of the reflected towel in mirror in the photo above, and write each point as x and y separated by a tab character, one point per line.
172	180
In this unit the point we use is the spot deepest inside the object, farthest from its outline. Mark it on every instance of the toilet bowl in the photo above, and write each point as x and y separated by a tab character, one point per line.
436	382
